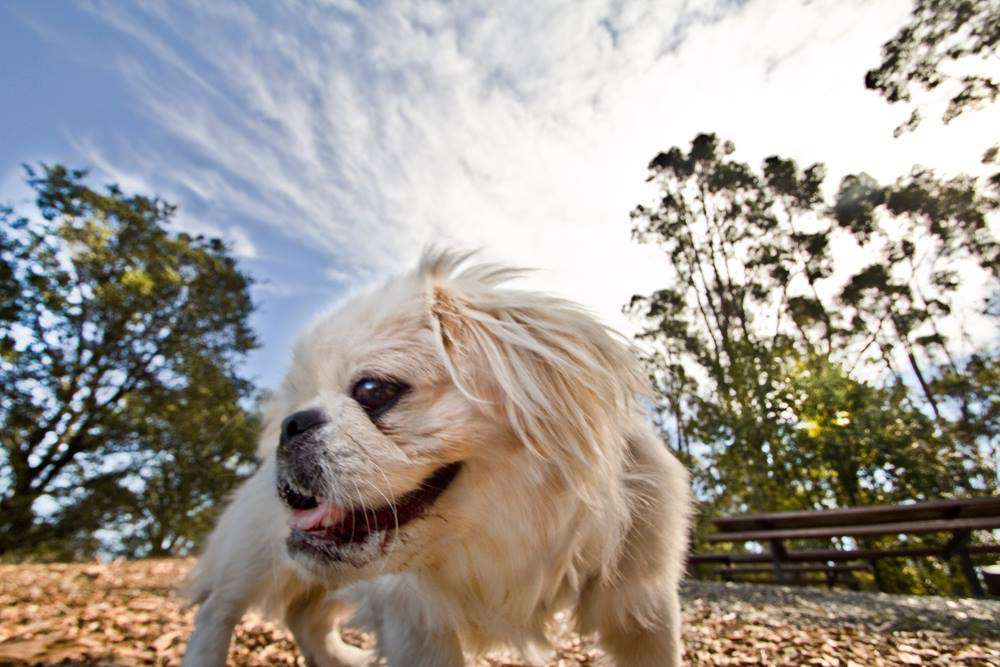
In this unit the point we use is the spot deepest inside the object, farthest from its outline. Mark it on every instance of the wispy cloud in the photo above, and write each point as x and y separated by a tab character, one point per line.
370	129
373	130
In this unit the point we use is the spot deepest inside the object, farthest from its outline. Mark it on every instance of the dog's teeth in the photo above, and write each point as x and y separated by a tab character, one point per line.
327	521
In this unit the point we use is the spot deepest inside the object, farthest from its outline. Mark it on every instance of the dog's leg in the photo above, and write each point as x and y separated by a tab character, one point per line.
410	631
314	619
213	629
637	610
240	566
655	642
406	645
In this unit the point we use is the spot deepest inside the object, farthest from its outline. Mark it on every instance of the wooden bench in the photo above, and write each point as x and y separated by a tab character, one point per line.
762	572
957	518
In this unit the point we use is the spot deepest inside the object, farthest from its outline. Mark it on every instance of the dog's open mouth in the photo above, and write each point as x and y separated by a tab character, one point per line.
324	528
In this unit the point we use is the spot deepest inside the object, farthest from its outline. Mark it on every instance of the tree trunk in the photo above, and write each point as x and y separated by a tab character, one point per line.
16	519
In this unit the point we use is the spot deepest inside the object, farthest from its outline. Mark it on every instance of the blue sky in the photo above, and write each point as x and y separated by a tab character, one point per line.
330	141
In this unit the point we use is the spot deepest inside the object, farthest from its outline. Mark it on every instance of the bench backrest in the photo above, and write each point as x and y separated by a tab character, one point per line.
967	508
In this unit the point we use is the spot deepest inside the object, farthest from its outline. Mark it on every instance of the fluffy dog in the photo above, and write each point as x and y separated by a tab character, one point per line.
455	461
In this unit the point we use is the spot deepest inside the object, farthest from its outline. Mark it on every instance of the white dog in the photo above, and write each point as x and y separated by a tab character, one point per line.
460	460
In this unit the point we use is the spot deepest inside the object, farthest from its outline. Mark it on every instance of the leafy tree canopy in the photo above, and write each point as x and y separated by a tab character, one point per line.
120	343
941	38
812	353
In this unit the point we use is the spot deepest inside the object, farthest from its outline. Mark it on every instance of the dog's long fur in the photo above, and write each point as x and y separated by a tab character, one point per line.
566	499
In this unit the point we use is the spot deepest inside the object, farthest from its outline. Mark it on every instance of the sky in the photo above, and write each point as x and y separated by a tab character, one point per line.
330	141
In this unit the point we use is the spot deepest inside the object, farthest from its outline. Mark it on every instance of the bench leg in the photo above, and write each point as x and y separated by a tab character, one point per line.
957	547
778	556
969	570
877	575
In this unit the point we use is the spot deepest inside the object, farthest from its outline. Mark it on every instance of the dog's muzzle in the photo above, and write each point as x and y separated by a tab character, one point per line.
321	525
298	424
298	453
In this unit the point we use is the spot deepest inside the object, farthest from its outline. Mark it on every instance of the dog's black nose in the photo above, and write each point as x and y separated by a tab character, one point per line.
298	423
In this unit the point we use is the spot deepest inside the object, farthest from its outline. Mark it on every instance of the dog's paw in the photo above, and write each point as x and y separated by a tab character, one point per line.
341	654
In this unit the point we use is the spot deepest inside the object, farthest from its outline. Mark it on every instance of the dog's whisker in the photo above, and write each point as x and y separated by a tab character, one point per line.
392	501
395	515
374	512
390	504
364	511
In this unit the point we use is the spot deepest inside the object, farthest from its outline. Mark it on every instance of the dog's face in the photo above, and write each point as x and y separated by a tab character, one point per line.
397	399
377	431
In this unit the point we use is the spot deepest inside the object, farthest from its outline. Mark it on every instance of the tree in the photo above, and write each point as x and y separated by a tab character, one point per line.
941	37
791	381
121	343
199	447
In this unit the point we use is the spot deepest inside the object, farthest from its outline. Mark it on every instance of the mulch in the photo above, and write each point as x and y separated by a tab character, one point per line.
126	613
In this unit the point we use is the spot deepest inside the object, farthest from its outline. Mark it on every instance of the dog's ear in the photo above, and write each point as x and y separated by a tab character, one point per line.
563	382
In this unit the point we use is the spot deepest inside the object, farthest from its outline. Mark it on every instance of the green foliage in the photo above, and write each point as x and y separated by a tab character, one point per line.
120	342
925	53
790	379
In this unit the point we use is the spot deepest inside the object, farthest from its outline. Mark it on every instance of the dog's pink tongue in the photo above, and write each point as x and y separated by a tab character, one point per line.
314	518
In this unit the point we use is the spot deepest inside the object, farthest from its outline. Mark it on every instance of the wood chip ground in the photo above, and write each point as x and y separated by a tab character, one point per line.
126	613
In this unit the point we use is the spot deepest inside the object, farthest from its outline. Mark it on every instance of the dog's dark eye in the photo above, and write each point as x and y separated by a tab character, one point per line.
375	395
